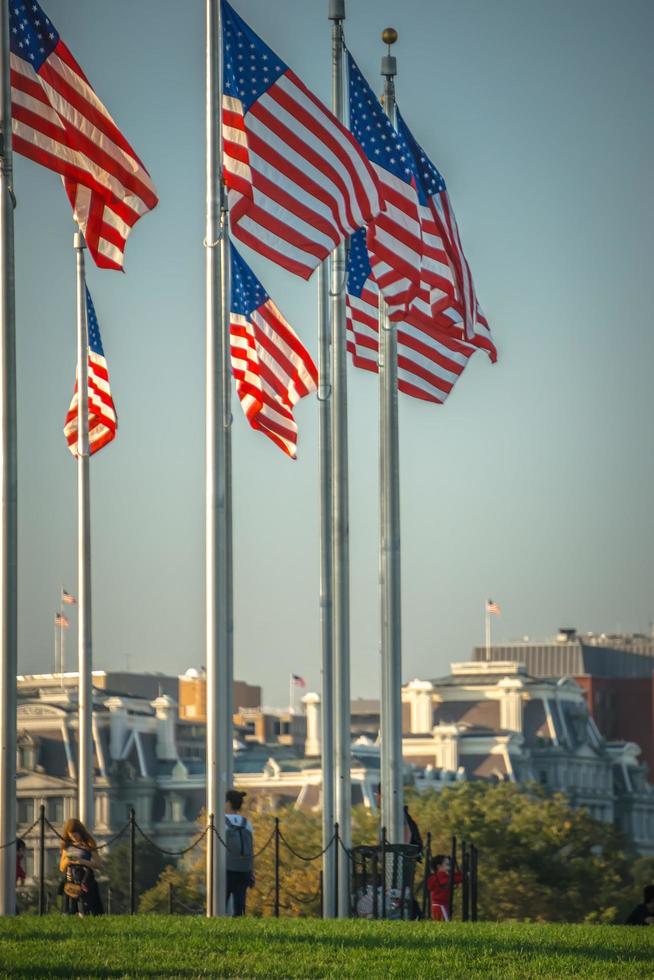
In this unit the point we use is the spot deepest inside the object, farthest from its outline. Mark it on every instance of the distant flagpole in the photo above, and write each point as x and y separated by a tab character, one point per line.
340	514
389	540
8	490
491	607
84	621
218	580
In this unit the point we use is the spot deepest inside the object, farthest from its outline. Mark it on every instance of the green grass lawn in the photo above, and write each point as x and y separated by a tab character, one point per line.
162	946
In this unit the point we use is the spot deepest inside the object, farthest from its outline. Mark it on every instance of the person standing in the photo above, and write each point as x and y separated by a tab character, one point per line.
438	884
239	840
78	862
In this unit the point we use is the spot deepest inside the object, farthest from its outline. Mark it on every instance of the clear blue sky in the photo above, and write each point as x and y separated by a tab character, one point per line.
533	484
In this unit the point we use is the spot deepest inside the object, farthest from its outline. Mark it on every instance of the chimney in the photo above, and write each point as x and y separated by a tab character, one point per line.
165	710
311	704
419	696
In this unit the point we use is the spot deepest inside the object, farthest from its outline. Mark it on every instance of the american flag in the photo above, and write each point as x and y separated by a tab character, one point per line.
428	360
102	413
59	122
67	598
394	236
298	681
273	369
462	316
61	620
298	182
492	607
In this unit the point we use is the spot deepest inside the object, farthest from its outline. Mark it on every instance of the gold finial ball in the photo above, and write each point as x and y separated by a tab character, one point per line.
389	35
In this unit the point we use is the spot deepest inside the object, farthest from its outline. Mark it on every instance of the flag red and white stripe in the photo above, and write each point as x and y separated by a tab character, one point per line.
429	360
272	367
102	412
298	182
59	122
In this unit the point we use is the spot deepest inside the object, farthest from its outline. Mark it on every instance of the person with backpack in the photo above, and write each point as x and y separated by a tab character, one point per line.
239	840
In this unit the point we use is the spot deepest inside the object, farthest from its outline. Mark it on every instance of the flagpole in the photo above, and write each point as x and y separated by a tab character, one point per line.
8	573
218	582
340	508
389	540
325	450
84	628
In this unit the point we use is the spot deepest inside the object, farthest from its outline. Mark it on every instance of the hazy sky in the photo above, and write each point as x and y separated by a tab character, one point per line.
533	484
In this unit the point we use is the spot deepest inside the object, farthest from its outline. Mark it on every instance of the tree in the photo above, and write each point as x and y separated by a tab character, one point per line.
540	859
149	863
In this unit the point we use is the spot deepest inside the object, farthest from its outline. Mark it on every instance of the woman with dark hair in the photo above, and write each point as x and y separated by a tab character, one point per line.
79	859
239	842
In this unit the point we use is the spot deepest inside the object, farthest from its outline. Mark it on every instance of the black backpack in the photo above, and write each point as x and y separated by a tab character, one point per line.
240	849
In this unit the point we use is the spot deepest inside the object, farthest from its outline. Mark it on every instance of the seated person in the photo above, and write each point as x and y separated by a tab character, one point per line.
643	915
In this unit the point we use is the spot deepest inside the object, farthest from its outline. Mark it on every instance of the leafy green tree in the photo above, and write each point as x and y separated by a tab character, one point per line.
539	859
149	863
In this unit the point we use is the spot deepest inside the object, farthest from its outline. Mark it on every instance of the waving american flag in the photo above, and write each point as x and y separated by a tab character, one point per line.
59	122
446	263
394	237
429	361
102	413
273	369
298	182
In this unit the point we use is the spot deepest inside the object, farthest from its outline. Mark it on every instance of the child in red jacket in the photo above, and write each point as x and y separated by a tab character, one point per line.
438	884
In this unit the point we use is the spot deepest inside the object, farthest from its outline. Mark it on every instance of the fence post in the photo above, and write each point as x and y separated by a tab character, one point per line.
426	904
42	859
465	881
276	867
450	899
336	884
383	872
108	901
132	861
473	882
170	898
322	895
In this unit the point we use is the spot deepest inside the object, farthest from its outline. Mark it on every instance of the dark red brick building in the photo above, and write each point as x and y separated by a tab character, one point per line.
616	673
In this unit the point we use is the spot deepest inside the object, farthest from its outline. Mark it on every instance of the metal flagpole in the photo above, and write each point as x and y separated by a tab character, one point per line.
392	816
84	636
218	583
8	573
340	525
326	589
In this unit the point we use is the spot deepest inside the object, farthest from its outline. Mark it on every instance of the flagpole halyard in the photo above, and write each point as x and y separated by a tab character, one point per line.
8	489
84	622
392	816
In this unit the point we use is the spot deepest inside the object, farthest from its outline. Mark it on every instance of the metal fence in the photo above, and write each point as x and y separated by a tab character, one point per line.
382	876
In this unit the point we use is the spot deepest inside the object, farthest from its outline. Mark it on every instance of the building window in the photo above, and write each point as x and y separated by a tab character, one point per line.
25	812
543	778
54	809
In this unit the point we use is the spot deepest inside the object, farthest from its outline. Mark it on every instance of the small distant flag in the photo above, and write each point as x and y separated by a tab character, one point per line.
102	413
298	182
492	607
298	681
67	598
272	368
61	620
59	122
